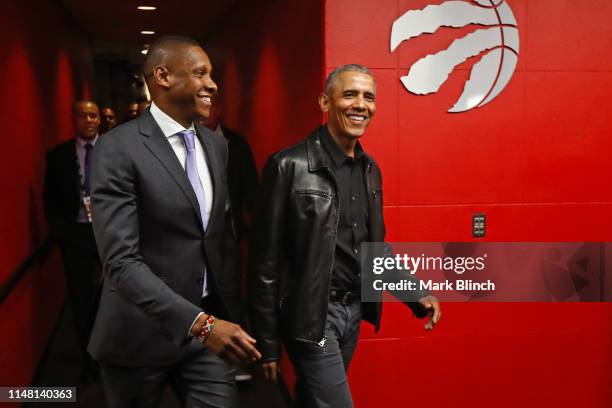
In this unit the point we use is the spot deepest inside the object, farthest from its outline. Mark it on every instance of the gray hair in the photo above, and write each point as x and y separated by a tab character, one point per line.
331	78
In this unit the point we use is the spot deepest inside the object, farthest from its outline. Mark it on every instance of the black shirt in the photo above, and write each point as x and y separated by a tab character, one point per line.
353	203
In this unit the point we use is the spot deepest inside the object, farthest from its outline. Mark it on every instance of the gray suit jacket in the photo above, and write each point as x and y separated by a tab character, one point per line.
149	233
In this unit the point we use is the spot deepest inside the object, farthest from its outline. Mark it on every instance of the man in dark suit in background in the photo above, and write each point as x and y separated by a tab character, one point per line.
241	170
159	197
242	182
132	112
66	199
142	106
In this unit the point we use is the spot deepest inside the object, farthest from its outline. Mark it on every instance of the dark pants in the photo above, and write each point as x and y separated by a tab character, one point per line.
200	379
321	370
82	269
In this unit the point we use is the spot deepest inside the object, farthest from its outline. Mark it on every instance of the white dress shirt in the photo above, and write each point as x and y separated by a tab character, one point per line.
170	128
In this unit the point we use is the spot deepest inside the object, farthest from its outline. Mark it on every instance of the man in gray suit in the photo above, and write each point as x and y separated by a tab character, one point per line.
159	199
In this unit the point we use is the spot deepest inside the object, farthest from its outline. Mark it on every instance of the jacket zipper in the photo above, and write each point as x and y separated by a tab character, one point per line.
313	192
373	193
333	246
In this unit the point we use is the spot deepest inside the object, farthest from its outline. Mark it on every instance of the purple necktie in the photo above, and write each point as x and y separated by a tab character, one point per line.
86	170
191	168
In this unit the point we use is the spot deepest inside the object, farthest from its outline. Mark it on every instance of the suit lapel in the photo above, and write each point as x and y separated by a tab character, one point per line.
71	177
73	167
158	144
213	166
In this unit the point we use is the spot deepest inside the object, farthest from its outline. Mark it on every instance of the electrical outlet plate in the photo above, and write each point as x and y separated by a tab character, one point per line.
479	224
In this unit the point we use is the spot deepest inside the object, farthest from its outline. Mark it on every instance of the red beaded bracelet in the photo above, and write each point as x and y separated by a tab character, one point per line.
206	329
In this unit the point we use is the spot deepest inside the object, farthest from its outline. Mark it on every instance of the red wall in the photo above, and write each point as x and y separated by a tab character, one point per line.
45	67
269	63
534	160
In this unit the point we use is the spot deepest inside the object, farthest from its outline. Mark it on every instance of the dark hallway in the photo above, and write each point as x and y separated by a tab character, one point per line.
59	52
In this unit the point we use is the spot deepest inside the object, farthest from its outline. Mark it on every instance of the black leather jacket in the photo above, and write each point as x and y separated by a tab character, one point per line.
293	243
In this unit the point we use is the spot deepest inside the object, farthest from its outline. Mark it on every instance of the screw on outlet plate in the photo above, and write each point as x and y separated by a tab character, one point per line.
479	224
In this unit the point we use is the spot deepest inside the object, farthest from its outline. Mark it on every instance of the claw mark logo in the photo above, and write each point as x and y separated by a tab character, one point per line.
499	43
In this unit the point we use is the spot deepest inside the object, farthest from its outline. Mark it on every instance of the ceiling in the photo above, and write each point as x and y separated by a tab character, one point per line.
113	26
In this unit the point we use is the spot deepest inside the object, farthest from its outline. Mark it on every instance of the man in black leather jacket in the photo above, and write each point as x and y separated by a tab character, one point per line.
320	199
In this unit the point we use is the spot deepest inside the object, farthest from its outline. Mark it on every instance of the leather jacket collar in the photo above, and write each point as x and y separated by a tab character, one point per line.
317	157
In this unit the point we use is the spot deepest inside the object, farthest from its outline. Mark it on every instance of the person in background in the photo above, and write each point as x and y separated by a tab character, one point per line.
132	112
241	170
142	106
108	119
67	205
319	200
242	183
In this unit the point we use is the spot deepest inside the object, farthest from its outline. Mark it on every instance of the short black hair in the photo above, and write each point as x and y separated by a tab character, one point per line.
160	49
83	102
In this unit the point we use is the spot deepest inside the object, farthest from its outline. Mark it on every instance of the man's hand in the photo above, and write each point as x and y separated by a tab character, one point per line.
433	316
270	369
230	342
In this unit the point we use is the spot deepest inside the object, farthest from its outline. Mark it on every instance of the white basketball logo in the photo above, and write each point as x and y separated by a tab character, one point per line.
490	75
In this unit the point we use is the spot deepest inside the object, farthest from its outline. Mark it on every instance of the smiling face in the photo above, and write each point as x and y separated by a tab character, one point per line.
86	119
190	86
350	104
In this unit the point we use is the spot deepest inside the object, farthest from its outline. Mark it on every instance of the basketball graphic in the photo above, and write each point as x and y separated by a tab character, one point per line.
497	41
